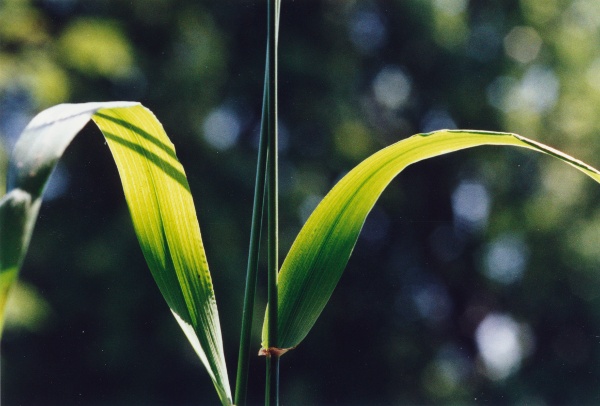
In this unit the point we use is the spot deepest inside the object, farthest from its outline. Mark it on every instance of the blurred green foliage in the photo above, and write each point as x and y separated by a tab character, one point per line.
476	277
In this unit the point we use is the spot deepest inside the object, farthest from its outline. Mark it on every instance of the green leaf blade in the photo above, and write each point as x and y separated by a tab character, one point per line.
164	217
160	204
323	247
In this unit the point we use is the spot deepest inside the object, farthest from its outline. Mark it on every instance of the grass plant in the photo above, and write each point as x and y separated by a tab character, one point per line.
164	219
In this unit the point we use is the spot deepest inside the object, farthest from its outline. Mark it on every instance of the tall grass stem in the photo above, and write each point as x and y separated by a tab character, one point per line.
241	386
272	385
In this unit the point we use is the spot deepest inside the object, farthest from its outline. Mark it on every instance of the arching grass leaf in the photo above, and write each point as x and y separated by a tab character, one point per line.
160	204
321	251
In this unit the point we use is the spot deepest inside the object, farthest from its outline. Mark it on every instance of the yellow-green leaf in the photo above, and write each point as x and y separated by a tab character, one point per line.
160	204
321	251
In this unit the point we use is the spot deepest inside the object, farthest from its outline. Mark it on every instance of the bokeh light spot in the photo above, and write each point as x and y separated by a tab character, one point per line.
391	87
367	30
502	344
96	47
471	204
452	7
432	302
353	140
537	92
522	44
437	119
222	128
506	259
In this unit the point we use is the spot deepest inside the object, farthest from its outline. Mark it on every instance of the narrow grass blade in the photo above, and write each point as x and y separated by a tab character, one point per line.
321	251
159	200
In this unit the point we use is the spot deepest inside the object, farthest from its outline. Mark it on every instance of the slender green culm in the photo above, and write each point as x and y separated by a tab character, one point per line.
254	249
241	387
272	387
272	359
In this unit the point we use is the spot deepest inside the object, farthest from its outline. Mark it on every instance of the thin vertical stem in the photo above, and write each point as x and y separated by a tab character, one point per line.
255	235
272	385
241	386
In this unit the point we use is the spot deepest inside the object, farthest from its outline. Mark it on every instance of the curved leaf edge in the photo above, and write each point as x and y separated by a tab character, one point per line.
318	256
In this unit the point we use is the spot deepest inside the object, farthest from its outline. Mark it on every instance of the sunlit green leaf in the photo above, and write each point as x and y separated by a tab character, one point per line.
321	251
159	200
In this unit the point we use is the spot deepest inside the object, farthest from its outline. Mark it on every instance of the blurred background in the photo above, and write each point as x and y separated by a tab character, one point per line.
476	277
